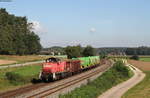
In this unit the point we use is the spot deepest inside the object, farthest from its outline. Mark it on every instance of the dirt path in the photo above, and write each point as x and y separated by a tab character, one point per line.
119	90
6	62
22	64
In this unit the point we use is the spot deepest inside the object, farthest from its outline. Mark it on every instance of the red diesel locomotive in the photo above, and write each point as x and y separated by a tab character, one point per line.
55	68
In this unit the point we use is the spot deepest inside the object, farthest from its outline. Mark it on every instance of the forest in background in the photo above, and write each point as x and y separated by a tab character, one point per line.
16	36
143	50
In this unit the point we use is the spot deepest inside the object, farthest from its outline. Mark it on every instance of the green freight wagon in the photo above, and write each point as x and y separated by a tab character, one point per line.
88	61
85	62
94	60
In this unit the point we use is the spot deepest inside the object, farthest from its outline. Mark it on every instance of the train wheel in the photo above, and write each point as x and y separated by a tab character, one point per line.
69	74
63	75
50	78
43	79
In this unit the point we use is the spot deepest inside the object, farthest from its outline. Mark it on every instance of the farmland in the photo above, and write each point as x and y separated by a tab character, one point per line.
146	59
11	59
144	66
19	76
141	90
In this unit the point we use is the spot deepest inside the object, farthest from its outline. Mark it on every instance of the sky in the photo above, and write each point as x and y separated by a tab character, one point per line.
100	23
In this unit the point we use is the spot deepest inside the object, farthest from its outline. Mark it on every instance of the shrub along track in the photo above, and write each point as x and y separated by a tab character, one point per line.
45	89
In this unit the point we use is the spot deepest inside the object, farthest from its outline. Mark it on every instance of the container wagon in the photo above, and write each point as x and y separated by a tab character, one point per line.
88	61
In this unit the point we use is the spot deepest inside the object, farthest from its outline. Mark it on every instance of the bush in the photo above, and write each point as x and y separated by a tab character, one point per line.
135	57
89	51
73	51
120	67
15	78
103	55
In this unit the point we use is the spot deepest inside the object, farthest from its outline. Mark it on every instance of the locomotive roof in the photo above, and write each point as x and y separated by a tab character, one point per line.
54	59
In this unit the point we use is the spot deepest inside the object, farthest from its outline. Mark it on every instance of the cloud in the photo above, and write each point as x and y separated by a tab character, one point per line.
92	30
38	27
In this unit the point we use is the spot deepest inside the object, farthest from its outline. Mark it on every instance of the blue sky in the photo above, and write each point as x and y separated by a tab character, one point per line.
100	23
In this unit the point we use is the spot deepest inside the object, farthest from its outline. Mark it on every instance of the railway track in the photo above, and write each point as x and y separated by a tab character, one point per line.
63	86
16	92
47	89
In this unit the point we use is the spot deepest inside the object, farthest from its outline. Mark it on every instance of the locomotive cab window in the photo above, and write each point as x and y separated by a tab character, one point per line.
52	60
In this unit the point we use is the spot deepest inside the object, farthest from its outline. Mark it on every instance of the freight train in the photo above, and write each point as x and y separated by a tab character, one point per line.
55	68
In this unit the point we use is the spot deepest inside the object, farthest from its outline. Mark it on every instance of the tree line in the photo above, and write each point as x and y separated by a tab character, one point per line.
78	51
16	36
70	51
143	50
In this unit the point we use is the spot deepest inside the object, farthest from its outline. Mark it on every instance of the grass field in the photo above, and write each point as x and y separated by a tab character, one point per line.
141	90
27	73
146	59
142	58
